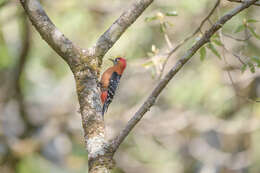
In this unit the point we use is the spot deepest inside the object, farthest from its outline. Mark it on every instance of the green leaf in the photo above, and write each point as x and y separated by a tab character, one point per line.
172	13
149	19
243	68
240	28
203	53
217	42
163	27
148	64
252	30
252	67
256	59
215	36
214	50
252	21
169	23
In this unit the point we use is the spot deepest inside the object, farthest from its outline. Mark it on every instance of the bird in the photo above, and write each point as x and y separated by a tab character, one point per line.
110	80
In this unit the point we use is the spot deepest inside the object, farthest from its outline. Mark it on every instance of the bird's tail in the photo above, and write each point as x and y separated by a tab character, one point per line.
104	109
103	97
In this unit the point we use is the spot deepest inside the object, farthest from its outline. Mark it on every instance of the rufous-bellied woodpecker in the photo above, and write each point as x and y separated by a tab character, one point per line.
110	80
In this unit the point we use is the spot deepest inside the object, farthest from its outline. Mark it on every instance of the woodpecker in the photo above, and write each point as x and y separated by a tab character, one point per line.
110	80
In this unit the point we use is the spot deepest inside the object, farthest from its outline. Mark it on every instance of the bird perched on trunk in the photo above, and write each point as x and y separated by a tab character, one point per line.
110	80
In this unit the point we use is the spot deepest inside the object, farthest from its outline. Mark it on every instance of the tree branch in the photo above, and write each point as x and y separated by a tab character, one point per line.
108	39
19	69
238	39
242	1
62	45
180	63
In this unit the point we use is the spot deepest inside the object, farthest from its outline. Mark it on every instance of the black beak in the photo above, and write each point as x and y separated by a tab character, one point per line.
112	60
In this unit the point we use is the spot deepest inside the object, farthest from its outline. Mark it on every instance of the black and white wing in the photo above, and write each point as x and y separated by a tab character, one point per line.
113	84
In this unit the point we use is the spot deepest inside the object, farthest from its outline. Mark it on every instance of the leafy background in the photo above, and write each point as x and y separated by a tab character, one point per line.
203	122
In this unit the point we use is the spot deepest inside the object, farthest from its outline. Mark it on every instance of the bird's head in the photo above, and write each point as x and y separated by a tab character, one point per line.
121	62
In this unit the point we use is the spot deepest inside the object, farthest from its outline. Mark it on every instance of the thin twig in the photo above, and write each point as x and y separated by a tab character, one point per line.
233	83
243	1
169	54
225	49
234	54
168	41
23	57
180	63
247	37
237	39
231	78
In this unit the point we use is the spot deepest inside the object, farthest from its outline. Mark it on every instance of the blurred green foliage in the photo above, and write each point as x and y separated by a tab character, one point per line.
201	103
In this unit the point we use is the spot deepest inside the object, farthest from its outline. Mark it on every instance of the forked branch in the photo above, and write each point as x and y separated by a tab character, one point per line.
85	65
